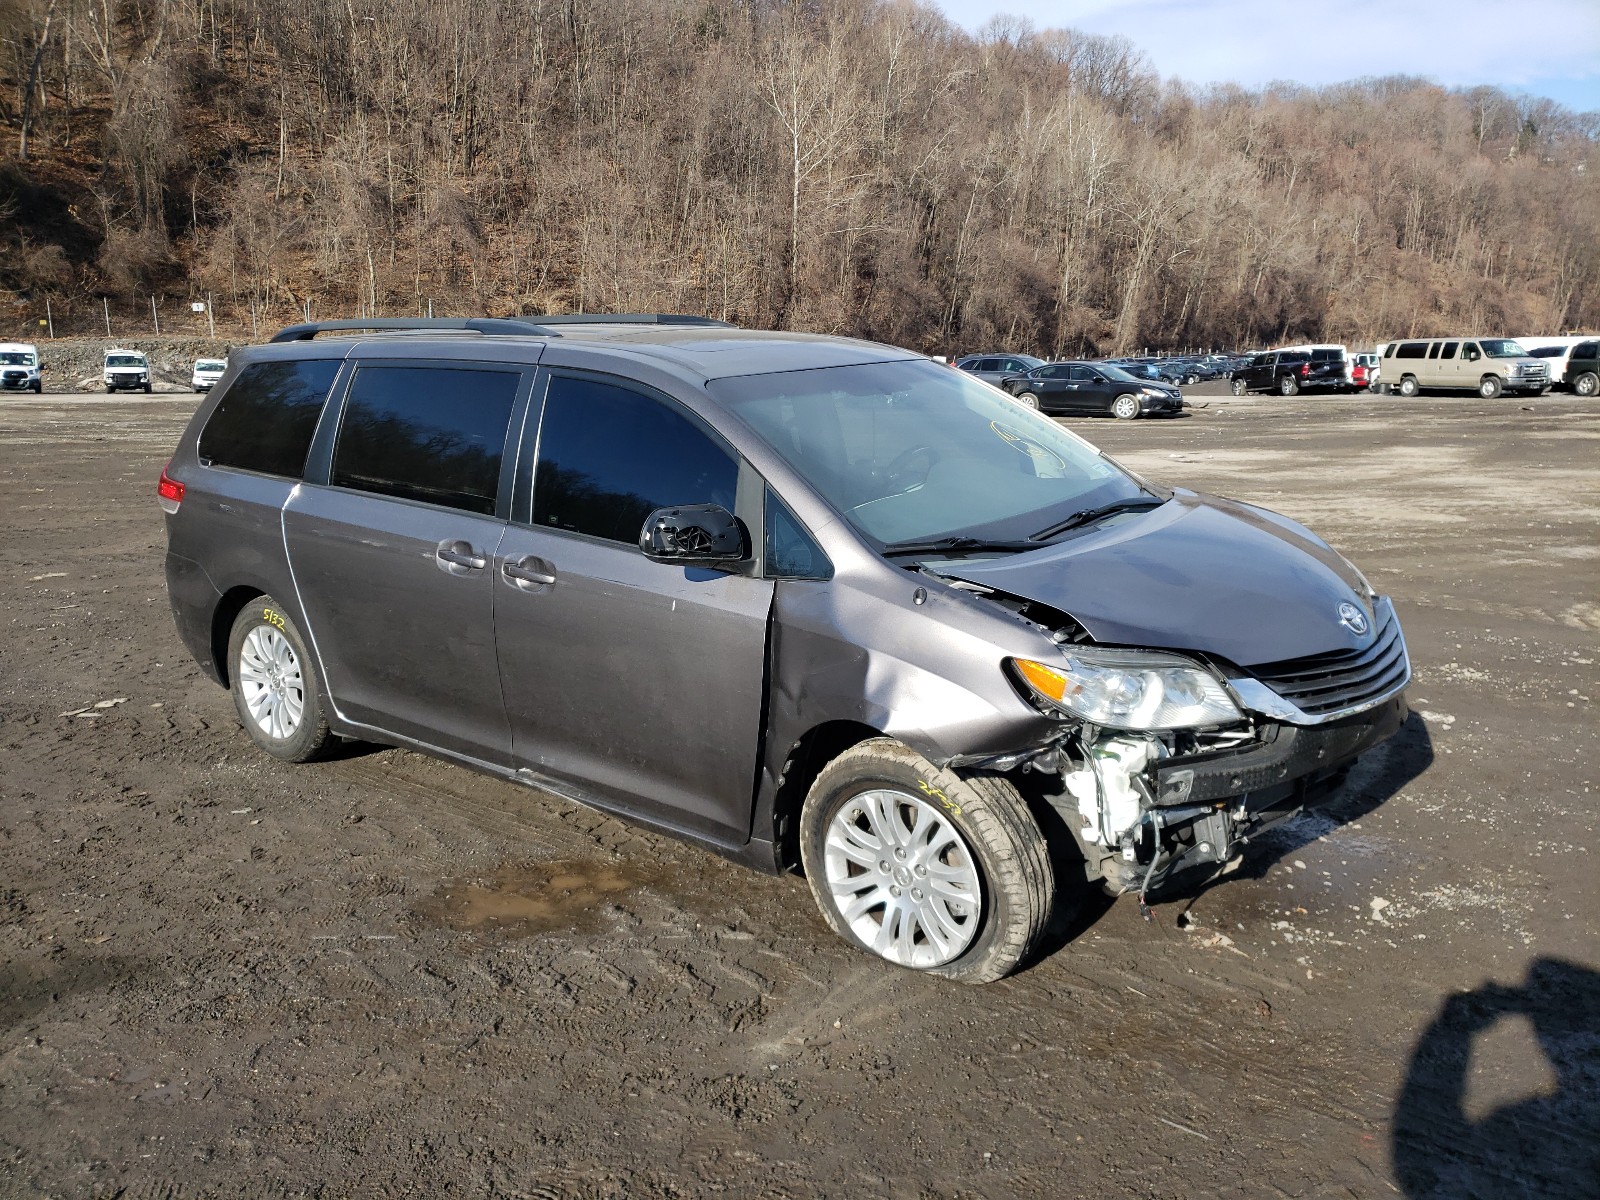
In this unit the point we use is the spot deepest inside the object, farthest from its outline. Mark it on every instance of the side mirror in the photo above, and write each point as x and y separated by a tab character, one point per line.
694	535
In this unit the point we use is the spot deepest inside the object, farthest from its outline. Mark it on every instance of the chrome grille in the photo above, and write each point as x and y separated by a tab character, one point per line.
1326	683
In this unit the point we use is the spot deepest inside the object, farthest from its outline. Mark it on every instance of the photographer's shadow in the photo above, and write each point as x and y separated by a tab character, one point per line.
1544	1146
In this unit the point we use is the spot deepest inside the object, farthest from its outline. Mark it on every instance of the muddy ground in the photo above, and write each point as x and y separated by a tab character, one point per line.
382	975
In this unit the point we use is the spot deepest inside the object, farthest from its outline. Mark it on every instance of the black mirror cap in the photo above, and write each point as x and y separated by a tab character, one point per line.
705	535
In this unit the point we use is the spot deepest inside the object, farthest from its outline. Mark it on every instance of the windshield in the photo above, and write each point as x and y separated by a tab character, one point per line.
124	360
16	358
1502	348
210	364
910	451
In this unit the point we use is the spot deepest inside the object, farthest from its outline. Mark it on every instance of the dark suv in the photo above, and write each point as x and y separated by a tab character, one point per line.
810	602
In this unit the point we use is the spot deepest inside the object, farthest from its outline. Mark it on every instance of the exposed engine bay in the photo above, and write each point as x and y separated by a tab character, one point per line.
1175	807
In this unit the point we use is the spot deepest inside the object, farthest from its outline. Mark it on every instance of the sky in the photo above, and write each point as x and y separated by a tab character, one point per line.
1543	47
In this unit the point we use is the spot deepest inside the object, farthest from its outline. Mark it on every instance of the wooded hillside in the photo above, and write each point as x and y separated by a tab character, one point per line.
853	166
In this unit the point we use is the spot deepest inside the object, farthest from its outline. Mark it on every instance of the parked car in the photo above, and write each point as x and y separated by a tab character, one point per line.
1093	389
1582	375
1370	366
810	602
1288	372
1488	366
207	373
19	368
995	368
127	370
1145	372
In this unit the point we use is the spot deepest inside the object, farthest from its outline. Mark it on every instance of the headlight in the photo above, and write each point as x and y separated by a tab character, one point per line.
1128	690
1151	392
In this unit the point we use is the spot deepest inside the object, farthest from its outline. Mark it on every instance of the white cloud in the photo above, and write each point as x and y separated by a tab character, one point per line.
1252	42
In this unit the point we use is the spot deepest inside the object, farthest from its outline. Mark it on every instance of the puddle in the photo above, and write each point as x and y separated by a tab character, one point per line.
530	898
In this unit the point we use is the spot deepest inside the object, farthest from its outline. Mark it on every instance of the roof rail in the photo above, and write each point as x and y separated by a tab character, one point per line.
310	329
633	319
535	326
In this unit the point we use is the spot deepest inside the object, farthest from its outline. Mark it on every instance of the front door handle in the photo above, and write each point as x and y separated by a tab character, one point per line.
456	556
527	570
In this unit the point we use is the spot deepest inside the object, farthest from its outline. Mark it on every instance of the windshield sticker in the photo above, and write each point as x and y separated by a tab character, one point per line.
1025	446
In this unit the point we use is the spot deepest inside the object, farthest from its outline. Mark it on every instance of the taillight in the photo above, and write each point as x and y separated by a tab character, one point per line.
1305	369
170	490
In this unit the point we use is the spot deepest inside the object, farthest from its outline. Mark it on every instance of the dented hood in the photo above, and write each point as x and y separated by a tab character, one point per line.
1199	573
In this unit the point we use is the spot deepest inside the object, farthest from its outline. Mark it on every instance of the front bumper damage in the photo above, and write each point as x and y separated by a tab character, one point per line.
1149	820
1198	812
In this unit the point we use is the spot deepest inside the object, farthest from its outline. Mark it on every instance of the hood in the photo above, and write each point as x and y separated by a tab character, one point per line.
1199	573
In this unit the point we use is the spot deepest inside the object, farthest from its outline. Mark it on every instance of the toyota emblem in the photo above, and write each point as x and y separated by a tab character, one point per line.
1352	618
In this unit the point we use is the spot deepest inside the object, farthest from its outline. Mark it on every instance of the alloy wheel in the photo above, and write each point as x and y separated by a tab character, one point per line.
903	878
271	682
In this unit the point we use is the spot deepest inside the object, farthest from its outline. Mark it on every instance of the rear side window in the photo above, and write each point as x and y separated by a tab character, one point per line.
1586	350
264	422
1412	350
609	456
434	434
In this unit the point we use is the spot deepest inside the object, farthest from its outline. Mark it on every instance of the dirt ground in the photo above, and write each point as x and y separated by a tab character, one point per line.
383	975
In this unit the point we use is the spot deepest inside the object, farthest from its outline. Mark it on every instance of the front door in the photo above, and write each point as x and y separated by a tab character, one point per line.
641	683
392	553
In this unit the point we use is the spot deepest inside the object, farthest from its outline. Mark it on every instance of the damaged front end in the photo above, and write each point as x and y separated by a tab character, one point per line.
1169	764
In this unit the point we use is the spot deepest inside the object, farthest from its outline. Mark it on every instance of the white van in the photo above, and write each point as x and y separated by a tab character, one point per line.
1557	351
127	370
207	373
19	368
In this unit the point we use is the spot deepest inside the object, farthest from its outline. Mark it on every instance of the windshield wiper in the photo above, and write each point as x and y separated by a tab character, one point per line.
955	545
1130	504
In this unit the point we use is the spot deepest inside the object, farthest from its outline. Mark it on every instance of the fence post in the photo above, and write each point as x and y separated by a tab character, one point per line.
211	320
106	305
153	316
49	320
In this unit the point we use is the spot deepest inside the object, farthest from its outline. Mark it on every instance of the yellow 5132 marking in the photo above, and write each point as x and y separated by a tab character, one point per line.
950	806
271	618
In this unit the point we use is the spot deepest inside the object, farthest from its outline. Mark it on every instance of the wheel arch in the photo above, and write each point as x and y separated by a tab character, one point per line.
222	618
807	757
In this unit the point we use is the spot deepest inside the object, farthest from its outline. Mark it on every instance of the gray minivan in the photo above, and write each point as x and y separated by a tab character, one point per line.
814	603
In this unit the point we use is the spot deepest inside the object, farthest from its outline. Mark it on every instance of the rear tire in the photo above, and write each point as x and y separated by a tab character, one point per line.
882	824
1408	385
1489	386
1586	384
1028	400
1289	386
274	683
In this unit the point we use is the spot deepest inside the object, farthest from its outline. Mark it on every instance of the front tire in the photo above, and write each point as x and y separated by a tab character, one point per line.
1237	387
274	683
147	389
1586	384
925	868
1125	408
1489	386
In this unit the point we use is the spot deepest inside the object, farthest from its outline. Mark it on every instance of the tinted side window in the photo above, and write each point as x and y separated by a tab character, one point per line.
434	434
1412	350
791	551
1433	350
265	420
1586	350
1449	350
1081	375
609	456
